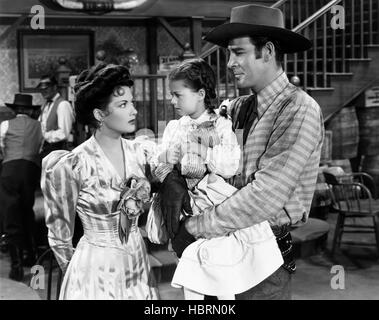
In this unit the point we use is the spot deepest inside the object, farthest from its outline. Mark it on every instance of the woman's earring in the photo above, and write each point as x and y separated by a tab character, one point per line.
100	121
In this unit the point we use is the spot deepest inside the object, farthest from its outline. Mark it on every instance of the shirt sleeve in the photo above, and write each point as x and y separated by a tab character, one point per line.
60	184
225	157
145	149
295	140
3	131
160	168
65	120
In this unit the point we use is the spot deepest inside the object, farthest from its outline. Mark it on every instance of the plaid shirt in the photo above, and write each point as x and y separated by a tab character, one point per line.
280	164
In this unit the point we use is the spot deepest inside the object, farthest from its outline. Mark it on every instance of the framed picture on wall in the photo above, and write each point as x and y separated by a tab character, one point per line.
39	53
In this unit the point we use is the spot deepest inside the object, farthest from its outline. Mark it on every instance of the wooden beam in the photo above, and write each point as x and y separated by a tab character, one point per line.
170	31
116	21
152	57
18	22
207	46
350	100
152	46
196	34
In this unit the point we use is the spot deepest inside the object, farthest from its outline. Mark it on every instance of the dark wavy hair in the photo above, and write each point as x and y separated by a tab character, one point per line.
94	89
197	74
260	42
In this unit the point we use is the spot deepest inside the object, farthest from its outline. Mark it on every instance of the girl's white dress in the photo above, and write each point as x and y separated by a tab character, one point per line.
225	265
84	182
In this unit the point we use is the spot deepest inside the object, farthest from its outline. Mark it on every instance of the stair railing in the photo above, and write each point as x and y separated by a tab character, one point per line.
331	50
318	66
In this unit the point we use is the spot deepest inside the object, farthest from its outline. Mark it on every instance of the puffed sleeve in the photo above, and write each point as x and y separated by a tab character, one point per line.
224	158
169	132
60	184
146	149
160	168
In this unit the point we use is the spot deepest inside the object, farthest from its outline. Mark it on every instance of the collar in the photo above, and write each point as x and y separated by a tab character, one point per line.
22	115
55	97
205	116
268	94
104	171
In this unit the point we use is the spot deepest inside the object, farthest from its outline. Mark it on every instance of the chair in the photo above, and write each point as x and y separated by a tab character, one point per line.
48	255
352	199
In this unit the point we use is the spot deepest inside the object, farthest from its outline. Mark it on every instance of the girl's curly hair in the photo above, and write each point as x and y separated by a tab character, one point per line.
197	74
94	88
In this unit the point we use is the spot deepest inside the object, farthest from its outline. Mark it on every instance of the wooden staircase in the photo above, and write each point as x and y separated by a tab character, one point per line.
344	88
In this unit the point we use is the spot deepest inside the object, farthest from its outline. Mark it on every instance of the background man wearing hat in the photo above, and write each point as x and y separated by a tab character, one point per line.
282	130
20	143
56	117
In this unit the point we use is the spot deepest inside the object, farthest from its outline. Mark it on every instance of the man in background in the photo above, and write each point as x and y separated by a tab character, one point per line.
57	116
20	144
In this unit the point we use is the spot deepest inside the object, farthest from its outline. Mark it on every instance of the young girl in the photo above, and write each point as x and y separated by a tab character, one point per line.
200	142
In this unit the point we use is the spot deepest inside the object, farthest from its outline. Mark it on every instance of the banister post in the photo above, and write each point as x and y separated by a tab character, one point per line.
152	46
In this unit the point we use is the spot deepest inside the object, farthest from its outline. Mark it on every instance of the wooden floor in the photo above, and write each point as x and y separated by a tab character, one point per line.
14	290
312	280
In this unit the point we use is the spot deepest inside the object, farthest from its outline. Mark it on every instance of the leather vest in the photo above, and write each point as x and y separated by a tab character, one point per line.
52	120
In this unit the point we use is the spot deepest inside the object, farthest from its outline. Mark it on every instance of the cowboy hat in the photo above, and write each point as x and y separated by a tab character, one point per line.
22	100
46	81
256	20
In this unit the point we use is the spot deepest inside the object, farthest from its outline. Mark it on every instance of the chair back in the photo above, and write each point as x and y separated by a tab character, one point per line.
348	196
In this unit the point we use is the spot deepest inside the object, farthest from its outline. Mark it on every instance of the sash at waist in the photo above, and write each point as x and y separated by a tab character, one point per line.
106	235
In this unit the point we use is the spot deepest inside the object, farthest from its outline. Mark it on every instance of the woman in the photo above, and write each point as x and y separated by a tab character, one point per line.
89	181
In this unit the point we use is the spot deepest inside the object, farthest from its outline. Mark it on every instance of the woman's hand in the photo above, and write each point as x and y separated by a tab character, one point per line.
148	146
173	154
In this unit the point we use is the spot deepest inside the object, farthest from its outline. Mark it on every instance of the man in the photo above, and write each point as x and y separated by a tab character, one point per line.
282	133
56	116
20	144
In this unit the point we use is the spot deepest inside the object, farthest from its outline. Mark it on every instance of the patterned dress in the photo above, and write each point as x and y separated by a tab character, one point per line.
84	182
